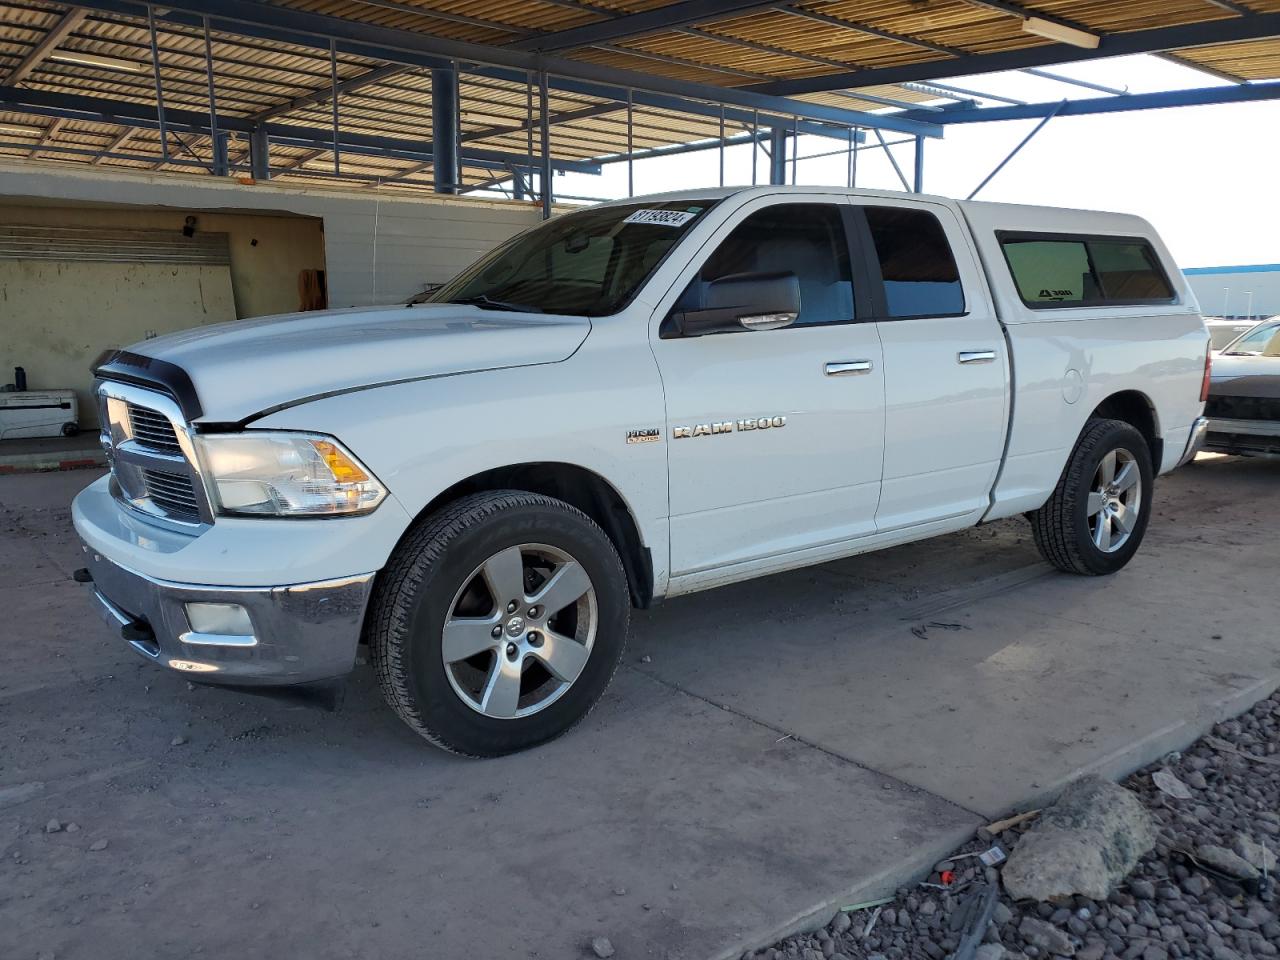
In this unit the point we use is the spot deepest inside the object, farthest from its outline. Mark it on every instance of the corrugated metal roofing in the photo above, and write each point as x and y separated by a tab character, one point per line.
781	40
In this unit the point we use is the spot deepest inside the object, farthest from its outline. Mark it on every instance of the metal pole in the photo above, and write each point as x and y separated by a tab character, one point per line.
1248	309
777	155
722	144
544	108
849	160
155	69
1014	152
1226	292
444	130
893	160
219	145
918	186
755	143
333	96
795	147
631	160
259	154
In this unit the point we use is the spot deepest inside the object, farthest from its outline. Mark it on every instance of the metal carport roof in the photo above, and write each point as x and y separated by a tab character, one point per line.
78	83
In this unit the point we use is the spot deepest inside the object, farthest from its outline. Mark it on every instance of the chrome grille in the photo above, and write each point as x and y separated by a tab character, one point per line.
150	449
173	494
153	429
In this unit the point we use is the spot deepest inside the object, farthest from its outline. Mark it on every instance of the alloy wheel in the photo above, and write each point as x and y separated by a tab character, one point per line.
519	631
1115	500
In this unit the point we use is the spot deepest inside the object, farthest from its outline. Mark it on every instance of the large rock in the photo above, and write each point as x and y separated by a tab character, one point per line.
1084	844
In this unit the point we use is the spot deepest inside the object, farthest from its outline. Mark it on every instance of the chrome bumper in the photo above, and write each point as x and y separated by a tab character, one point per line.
1195	442
301	632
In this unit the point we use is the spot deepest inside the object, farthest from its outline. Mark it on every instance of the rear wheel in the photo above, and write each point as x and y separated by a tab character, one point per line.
499	622
1097	516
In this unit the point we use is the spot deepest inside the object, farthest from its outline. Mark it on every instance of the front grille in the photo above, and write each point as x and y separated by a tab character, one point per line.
173	494
144	435
1242	408
153	429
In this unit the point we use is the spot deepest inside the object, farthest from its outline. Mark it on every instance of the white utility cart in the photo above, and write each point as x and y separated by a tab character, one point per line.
38	413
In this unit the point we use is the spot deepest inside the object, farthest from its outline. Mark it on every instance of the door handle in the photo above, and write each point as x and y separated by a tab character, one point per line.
976	356
847	368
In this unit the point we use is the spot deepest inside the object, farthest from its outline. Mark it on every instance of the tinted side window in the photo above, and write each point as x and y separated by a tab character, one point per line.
920	275
1128	270
1052	272
1084	271
806	239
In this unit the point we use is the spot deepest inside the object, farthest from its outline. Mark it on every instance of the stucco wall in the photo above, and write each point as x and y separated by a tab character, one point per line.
56	317
378	247
267	252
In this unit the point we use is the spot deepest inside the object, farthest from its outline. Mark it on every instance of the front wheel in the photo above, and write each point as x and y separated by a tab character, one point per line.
499	622
1097	515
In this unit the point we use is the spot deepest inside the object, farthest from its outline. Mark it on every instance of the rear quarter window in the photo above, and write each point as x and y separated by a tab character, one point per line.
1054	271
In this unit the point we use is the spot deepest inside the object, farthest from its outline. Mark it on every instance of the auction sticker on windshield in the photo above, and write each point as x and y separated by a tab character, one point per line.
663	218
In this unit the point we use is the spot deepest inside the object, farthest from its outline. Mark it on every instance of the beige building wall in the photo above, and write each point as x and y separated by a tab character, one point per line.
379	246
57	316
375	247
267	252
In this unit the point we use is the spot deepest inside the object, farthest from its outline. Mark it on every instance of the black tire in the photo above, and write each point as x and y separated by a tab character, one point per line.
412	600
70	429
1061	526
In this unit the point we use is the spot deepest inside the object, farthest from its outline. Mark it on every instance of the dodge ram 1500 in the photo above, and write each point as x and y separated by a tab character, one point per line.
632	401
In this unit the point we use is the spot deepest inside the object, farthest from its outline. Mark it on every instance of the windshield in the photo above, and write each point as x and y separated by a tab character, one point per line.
1262	341
588	263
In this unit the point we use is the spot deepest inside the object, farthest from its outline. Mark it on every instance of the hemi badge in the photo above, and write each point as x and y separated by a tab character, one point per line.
647	435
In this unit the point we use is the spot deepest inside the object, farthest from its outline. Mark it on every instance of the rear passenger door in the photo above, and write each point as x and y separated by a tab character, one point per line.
945	365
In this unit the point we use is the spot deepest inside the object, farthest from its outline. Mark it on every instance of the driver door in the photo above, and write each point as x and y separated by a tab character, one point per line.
775	437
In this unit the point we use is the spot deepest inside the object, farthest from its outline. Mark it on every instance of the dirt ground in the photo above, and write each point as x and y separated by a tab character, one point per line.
766	749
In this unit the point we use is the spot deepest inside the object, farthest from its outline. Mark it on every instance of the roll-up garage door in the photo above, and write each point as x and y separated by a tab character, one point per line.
68	293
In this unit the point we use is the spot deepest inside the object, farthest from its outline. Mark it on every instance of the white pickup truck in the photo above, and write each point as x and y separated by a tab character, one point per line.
629	402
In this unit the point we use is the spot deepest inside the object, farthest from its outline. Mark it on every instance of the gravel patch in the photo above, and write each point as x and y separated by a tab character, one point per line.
1205	891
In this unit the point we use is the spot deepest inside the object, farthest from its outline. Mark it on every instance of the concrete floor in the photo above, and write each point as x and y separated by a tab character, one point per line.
792	743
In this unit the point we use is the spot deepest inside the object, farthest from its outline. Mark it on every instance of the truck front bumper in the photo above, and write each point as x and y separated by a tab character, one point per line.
301	632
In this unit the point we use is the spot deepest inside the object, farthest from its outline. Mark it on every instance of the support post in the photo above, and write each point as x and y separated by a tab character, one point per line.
517	184
918	181
155	69
444	129
221	160
259	154
544	110
777	155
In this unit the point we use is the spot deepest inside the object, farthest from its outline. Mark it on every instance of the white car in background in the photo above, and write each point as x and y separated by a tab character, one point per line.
1223	331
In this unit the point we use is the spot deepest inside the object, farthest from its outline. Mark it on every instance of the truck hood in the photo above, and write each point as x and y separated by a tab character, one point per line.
1245	376
236	371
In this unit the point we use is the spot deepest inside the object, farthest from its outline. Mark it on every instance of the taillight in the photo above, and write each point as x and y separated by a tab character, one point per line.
1208	365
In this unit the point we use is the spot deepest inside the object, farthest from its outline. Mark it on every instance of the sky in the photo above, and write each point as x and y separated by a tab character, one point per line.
1208	178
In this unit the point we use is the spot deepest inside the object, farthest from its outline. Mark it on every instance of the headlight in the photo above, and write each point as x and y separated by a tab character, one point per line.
264	473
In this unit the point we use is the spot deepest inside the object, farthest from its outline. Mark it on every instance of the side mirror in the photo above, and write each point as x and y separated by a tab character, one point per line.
743	301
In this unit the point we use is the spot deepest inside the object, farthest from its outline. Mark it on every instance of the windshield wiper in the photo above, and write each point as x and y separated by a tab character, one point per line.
485	302
1241	353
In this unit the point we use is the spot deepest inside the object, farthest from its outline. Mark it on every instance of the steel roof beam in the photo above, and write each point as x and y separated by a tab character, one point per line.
48	43
100	110
302	27
1256	27
322	96
632	26
1200	96
115	145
